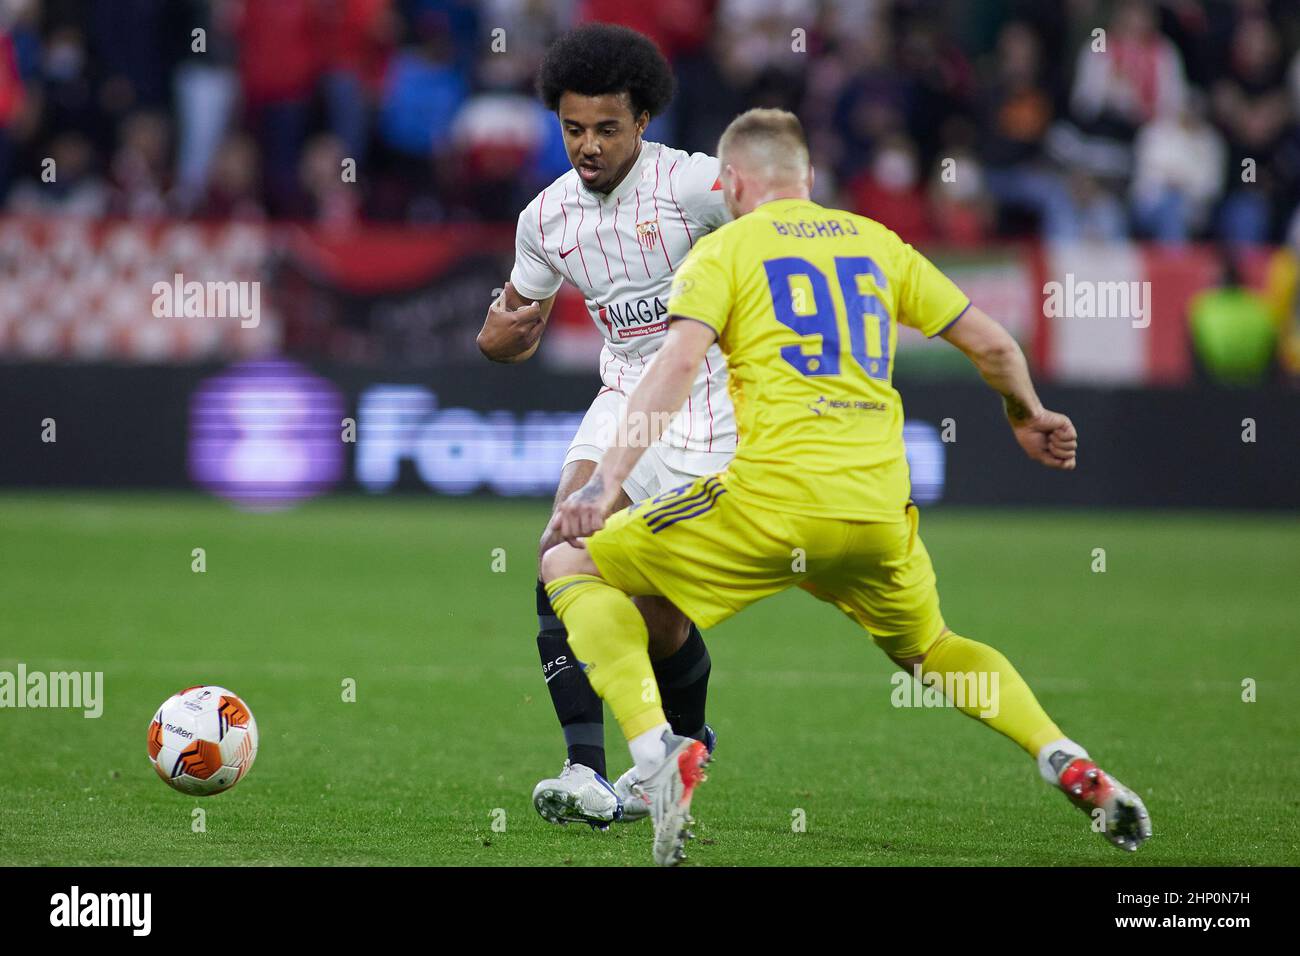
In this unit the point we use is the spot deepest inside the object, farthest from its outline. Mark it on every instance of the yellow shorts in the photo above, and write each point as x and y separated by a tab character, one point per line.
713	555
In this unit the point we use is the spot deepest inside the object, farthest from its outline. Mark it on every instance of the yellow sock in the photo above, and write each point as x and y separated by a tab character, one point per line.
1014	711
608	634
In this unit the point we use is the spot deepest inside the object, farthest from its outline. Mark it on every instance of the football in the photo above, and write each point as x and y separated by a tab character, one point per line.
203	740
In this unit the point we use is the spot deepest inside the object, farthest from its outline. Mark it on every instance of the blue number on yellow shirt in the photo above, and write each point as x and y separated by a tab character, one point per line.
858	305
821	321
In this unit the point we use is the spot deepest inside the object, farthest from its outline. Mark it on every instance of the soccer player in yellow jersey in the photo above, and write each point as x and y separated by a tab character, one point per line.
804	302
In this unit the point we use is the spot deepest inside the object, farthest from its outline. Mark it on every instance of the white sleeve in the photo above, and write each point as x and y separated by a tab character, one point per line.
699	188
533	277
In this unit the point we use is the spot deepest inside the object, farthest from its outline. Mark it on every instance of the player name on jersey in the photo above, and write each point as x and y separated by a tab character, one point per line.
815	228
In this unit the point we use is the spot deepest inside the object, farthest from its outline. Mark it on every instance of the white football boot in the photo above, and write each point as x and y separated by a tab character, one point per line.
635	805
668	791
577	795
1118	813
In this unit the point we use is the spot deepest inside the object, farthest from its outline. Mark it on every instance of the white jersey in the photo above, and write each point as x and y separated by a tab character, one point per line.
621	250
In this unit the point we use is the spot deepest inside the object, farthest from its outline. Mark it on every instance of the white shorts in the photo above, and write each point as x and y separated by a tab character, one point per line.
661	467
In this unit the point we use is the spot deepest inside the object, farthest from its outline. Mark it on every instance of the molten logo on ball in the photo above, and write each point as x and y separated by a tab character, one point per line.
202	740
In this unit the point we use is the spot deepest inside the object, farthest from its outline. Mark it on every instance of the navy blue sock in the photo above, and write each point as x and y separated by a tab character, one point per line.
684	684
579	708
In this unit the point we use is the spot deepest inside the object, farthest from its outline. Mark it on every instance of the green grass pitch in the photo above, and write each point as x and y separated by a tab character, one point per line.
452	725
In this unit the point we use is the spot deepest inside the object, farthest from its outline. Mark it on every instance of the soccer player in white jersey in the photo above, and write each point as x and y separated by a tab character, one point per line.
616	226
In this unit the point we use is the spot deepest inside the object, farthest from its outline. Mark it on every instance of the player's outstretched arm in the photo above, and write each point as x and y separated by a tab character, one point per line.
658	396
513	327
1047	437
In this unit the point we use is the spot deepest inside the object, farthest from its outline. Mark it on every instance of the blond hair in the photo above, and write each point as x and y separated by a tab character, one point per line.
767	142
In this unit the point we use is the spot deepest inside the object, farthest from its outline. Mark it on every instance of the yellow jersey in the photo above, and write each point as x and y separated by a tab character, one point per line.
805	301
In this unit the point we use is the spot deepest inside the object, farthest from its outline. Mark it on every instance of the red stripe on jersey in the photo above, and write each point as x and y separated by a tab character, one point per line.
672	195
717	184
601	208
565	234
663	244
617	203
637	221
577	233
540	231
690	421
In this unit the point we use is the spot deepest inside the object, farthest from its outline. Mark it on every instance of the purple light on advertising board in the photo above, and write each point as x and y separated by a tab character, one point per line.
266	434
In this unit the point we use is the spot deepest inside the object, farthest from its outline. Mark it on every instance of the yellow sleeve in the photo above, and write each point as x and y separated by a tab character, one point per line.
703	288
928	300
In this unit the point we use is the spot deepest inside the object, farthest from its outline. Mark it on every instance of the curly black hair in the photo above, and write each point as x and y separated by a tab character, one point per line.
605	58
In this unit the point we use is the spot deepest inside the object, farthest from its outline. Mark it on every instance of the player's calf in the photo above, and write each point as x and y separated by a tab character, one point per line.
572	796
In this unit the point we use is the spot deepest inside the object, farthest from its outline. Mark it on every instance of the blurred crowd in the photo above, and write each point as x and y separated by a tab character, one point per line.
951	120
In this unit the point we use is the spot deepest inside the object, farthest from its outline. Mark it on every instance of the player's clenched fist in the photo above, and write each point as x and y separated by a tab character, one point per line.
513	328
1049	438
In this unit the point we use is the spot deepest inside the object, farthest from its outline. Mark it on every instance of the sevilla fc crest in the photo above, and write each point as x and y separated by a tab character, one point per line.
647	233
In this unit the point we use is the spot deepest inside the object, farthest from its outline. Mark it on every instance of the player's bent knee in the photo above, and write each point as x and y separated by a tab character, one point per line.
938	638
564	559
908	651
